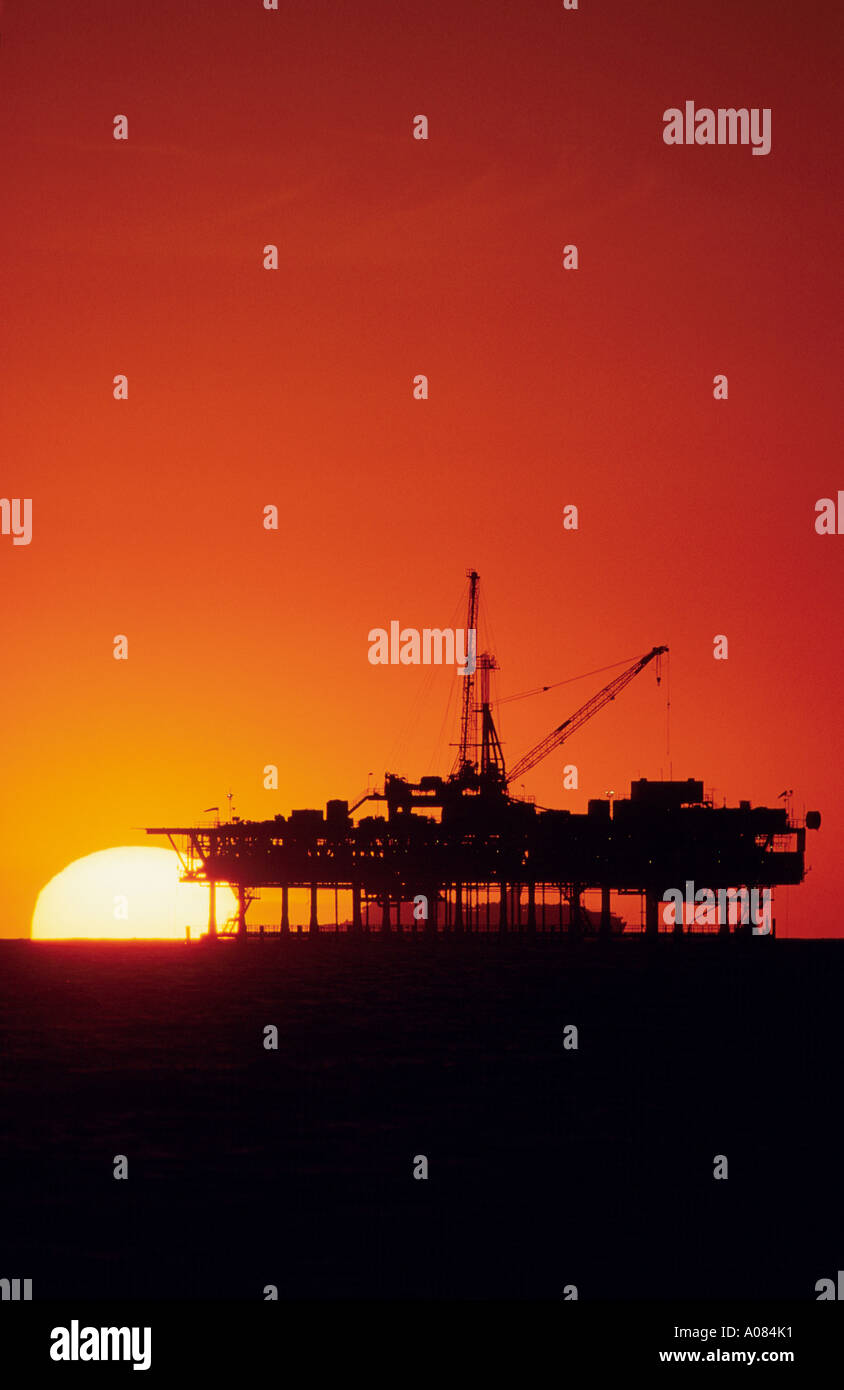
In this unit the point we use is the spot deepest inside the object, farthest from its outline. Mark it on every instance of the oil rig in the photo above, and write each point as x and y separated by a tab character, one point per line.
461	854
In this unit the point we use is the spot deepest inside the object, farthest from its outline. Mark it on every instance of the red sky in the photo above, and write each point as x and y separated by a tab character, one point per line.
547	387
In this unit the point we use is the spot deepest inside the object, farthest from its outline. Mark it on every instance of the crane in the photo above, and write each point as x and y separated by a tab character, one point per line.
575	721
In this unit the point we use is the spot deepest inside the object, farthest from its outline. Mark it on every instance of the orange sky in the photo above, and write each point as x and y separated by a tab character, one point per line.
547	387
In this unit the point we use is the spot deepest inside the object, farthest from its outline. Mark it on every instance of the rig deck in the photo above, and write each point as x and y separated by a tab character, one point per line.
491	863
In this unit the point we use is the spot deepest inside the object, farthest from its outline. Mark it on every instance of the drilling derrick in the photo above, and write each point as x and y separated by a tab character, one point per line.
467	751
480	763
493	774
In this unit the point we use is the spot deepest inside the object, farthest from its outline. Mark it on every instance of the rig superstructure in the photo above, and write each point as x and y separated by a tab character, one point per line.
480	859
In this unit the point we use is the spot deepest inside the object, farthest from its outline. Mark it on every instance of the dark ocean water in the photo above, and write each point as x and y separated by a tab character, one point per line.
547	1167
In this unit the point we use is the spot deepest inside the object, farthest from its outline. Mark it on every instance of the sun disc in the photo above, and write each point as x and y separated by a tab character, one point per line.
127	893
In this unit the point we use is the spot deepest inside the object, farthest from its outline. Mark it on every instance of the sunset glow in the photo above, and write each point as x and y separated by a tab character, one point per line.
250	388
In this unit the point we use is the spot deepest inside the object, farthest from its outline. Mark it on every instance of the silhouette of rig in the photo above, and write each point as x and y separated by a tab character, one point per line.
459	854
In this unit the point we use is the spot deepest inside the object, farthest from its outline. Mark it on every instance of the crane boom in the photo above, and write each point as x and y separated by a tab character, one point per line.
581	716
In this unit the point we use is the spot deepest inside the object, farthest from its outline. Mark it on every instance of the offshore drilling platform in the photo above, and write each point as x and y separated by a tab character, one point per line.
463	855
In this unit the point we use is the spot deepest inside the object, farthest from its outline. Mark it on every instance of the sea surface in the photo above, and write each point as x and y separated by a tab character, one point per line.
547	1166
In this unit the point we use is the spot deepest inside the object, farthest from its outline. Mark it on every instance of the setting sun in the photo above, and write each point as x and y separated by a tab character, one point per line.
125	893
